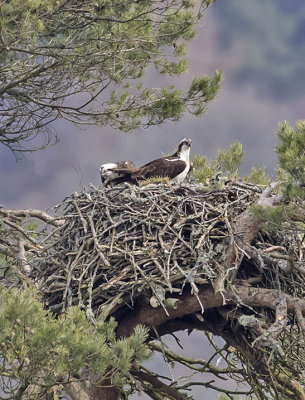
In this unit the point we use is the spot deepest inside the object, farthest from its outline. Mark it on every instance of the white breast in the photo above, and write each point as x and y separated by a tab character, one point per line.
180	178
185	156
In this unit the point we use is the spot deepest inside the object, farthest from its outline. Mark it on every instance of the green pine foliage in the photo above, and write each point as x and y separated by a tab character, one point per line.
32	228
230	160
203	168
270	218
38	349
156	180
291	155
258	176
89	50
227	161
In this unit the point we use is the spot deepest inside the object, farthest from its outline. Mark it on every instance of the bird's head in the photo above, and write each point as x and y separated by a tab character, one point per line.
184	145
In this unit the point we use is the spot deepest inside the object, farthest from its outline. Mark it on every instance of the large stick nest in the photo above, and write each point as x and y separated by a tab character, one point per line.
120	243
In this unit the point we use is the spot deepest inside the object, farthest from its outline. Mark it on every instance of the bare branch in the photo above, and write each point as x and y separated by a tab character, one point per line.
156	389
35	214
195	364
24	265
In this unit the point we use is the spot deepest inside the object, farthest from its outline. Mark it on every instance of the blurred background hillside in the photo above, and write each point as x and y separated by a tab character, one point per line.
260	47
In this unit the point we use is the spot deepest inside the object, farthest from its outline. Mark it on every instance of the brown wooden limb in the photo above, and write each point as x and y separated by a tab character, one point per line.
76	391
268	338
196	364
99	388
299	312
19	229
241	295
153	386
292	385
149	316
209	385
246	185
33	213
7	251
246	229
265	298
98	247
23	263
104	393
280	318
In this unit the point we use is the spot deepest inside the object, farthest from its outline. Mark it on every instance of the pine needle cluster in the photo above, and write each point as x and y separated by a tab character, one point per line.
39	351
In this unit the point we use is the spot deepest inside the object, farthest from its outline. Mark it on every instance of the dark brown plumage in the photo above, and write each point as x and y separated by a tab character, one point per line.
108	171
175	167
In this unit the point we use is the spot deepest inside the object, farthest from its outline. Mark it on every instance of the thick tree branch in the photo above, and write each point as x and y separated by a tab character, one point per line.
35	214
240	295
246	229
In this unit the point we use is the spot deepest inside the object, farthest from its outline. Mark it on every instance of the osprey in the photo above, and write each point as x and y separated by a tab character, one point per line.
175	167
108	173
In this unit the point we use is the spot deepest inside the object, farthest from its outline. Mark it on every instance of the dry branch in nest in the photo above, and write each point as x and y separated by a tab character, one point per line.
174	258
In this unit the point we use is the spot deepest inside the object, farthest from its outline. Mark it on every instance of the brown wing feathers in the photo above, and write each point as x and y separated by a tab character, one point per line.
160	167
